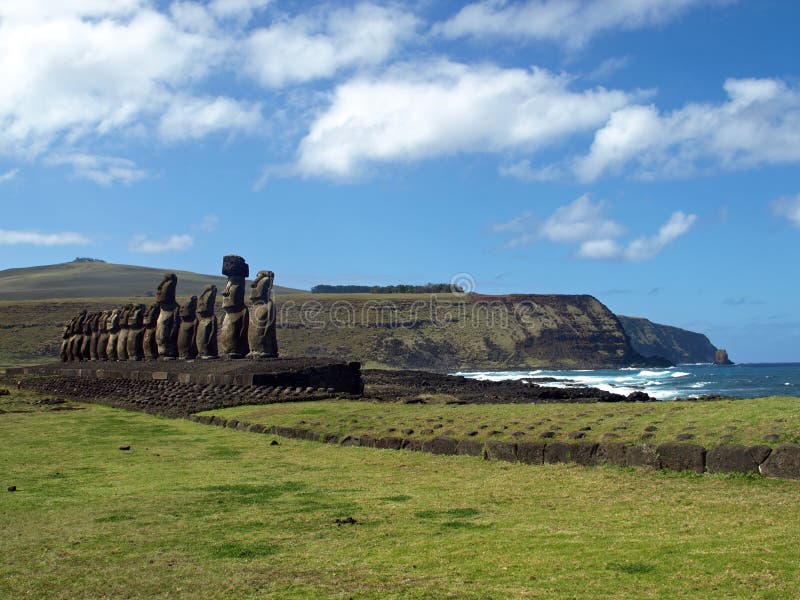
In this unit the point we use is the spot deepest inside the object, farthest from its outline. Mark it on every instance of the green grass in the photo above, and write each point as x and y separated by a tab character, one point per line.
171	519
709	423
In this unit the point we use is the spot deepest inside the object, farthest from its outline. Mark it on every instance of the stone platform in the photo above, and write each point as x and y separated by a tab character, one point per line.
314	373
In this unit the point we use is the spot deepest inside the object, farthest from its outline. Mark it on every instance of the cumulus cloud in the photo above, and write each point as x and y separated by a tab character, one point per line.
8	175
758	124
417	111
35	238
103	170
311	47
241	10
583	223
569	22
789	208
193	118
141	243
524	171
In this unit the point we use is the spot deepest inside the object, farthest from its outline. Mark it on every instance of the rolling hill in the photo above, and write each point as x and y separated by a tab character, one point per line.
95	279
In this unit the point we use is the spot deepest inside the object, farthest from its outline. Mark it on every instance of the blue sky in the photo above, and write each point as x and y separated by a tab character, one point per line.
643	152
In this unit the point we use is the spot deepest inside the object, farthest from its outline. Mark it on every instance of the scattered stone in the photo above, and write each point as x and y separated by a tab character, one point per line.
682	457
735	458
274	443
651	428
4	392
576	435
638	397
547	434
347	521
505	451
783	461
684	436
408	431
472	433
518	434
124	447
12	488
772	437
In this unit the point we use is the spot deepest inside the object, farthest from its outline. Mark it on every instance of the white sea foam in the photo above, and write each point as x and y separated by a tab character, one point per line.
653	374
680	374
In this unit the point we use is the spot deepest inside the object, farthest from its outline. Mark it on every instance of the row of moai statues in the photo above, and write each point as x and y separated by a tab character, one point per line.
166	330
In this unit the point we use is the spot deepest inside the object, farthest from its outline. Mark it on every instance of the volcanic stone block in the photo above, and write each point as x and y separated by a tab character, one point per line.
330	438
735	458
531	453
641	456
412	444
440	445
389	443
682	457
557	452
233	266
506	451
470	448
784	461
257	428
583	453
610	453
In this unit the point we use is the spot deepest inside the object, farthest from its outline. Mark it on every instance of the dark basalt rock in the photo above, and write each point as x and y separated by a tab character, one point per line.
583	453
610	453
505	451
470	448
784	461
721	357
389	443
235	266
682	457
557	452
735	458
440	445
641	456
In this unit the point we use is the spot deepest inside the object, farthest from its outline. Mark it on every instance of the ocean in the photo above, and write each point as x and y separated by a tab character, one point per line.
682	381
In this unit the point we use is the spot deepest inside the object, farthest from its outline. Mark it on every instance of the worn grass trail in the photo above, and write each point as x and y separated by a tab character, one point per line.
196	511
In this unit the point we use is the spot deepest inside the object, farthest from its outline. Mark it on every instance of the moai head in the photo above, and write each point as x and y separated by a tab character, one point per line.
236	269
94	322
67	331
189	310
123	316
262	287
151	315
166	289
80	320
208	298
136	316
112	323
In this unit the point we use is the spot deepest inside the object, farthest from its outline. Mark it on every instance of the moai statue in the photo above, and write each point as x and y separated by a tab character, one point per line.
102	336
187	349
86	342
206	336
261	334
150	320
66	334
76	340
232	337
122	338
94	336
136	332
112	325
169	318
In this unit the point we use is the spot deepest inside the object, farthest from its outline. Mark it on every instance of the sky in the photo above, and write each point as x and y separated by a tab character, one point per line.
645	152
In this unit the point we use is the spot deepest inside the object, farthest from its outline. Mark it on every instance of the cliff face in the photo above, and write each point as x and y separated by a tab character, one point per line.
675	344
440	332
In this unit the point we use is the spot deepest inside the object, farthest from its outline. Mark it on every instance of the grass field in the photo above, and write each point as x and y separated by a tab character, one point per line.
196	511
756	421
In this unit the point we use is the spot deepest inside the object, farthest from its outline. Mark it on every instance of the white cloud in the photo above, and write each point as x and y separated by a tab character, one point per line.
193	118
141	243
417	111
583	223
569	22
789	208
8	175
103	170
305	48
87	69
237	9
35	238
758	124
524	171
208	224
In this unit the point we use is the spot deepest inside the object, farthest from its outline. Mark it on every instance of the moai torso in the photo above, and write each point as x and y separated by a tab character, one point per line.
102	336
169	318
187	330
122	338
65	336
76	340
262	338
149	345
112	325
135	343
94	339
206	334
232	336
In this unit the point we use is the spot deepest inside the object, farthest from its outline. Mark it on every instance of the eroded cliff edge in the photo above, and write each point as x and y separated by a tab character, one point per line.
675	344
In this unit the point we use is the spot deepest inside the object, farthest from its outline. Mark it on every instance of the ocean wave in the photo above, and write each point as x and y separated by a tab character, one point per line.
680	374
653	373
